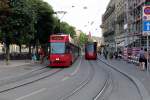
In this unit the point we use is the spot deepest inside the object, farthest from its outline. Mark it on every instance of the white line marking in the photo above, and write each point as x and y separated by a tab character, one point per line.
65	78
73	73
77	69
33	93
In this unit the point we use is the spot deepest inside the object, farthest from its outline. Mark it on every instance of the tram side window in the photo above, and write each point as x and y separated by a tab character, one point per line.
68	48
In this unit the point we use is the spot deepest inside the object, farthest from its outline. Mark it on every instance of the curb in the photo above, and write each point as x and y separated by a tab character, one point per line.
23	64
15	65
144	93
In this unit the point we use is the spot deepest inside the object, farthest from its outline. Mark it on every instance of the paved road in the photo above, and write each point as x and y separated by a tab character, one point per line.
83	81
122	88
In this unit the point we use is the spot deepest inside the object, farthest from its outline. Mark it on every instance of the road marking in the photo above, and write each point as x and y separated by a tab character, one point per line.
66	77
77	70
31	94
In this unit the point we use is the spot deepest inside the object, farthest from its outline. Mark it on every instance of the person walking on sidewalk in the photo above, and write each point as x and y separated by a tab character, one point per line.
42	55
116	54
141	59
105	54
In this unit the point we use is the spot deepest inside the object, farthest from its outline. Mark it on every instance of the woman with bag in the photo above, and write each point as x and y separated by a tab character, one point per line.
141	59
146	55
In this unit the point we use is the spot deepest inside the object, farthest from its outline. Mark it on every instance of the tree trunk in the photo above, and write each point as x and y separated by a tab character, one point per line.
44	46
29	49
37	47
7	57
20	48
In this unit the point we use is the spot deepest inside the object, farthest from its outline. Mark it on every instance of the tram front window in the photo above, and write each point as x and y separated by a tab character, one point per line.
57	48
90	48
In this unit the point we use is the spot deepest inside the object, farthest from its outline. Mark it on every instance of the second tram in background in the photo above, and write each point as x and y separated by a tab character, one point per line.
63	51
91	51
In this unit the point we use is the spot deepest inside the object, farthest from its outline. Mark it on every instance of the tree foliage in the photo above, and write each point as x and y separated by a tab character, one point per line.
67	29
83	38
29	21
4	12
45	21
3	5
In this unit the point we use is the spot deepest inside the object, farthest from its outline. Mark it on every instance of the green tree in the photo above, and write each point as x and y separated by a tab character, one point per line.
29	22
3	4
18	23
4	12
83	38
67	29
44	25
45	22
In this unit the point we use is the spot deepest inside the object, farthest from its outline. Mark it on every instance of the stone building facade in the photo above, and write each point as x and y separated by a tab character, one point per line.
125	18
108	24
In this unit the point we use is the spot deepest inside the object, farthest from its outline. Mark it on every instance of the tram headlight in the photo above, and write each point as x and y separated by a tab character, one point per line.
57	59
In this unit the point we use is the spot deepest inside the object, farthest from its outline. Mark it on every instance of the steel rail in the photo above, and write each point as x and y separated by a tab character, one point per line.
12	79
32	81
81	85
86	81
105	87
141	97
28	82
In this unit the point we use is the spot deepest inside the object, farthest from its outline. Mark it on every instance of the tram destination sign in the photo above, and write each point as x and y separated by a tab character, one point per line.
57	38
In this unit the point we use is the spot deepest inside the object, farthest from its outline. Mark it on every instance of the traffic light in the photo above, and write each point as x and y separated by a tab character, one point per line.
147	2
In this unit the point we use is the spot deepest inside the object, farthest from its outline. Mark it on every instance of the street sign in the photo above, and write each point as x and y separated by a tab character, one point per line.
146	12
146	26
146	20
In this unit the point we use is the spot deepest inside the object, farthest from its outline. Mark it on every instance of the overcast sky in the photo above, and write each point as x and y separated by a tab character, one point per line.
83	14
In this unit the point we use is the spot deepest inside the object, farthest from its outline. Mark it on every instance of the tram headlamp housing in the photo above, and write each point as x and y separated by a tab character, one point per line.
57	59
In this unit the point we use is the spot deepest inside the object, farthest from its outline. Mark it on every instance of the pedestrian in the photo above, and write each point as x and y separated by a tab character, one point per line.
116	54
120	55
141	59
105	54
34	58
146	55
42	55
99	52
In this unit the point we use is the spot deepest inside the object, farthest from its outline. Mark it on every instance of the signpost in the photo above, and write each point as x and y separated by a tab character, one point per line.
146	28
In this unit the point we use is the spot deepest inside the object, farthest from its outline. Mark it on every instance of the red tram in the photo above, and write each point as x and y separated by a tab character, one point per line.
91	51
62	51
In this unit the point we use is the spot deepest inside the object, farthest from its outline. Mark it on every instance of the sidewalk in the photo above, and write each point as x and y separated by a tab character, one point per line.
17	63
14	63
131	70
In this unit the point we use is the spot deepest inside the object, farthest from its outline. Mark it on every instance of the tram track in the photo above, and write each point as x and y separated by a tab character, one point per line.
106	85
101	92
43	73
12	79
29	78
81	85
127	76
